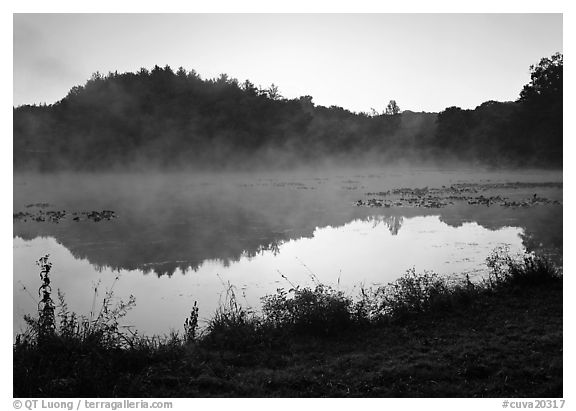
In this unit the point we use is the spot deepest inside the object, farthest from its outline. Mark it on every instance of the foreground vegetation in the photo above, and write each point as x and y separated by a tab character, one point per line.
422	335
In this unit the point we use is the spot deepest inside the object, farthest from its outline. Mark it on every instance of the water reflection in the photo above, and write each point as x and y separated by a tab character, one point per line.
163	248
170	223
370	251
394	223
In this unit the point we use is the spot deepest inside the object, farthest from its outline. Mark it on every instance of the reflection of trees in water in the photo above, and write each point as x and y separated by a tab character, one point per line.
273	247
226	234
166	248
177	241
392	222
551	249
542	226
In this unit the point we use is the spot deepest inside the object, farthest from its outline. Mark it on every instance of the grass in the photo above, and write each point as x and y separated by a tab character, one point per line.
421	335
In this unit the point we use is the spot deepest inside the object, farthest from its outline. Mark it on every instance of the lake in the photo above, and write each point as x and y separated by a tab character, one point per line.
171	239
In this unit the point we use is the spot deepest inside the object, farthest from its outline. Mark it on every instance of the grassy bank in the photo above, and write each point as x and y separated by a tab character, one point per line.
419	336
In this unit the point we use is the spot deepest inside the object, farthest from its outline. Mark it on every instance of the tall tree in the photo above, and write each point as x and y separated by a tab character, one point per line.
392	108
545	80
540	116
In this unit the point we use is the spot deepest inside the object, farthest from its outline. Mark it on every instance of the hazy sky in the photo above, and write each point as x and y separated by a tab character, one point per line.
357	61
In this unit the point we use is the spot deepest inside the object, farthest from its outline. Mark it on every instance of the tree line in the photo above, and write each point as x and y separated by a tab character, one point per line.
171	119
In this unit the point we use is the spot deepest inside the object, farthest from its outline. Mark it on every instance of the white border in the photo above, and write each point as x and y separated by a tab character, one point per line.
307	6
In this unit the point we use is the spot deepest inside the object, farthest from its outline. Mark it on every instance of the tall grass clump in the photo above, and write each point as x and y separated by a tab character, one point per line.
232	325
57	327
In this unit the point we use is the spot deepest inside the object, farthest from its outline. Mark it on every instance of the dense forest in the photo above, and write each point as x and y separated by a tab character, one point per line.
168	119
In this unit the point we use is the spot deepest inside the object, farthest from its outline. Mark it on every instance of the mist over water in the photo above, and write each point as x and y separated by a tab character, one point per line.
186	236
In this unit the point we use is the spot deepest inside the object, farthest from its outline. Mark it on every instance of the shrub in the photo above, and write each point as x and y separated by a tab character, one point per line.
525	270
313	311
533	270
410	294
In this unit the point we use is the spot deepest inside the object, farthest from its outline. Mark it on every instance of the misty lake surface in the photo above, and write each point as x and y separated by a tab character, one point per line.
176	238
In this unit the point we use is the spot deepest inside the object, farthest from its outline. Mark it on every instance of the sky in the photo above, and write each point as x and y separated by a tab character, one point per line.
426	62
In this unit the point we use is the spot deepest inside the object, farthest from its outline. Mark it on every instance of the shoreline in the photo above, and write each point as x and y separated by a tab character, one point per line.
499	340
